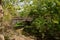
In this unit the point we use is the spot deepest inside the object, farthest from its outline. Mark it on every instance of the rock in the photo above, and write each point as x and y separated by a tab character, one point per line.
16	38
1	11
20	38
1	37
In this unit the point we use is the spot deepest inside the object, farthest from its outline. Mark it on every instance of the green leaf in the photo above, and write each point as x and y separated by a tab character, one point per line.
55	21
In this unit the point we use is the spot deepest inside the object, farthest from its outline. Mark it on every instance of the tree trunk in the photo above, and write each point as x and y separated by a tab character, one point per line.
0	2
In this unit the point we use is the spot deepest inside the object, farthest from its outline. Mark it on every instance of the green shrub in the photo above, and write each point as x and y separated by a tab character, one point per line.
46	20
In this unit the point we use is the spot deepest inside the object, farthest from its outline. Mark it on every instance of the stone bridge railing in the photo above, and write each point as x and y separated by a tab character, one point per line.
19	19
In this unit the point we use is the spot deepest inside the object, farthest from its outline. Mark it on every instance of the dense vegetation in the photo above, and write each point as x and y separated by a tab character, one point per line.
44	22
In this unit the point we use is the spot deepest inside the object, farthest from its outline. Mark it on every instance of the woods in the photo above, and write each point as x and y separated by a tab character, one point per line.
35	19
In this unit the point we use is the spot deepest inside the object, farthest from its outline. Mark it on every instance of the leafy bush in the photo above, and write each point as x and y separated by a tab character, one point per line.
46	19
